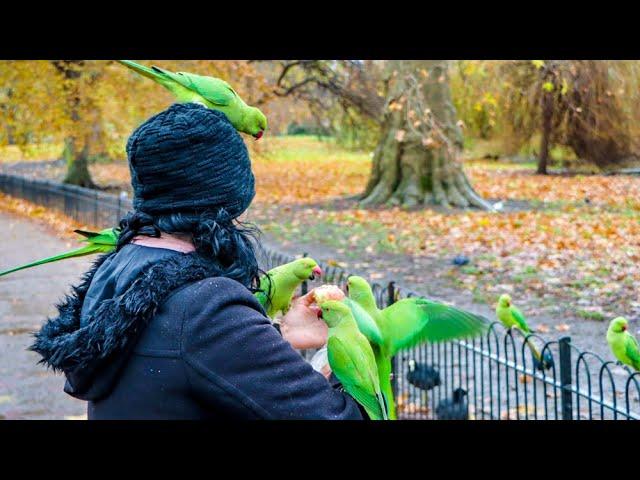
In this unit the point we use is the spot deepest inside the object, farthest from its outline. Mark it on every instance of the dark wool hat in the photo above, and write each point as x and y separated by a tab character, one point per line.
188	158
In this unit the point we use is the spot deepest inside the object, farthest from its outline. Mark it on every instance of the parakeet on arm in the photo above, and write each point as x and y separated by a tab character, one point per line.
279	284
623	345
211	92
351	359
97	242
512	317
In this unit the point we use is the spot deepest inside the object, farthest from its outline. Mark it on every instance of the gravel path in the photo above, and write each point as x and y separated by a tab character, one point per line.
28	390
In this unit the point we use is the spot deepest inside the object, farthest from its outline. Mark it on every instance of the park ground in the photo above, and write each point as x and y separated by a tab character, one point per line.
566	247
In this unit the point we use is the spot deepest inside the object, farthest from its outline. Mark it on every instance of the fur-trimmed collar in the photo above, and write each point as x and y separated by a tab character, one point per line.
116	323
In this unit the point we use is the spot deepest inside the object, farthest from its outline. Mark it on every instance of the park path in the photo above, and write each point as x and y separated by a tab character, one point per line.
27	298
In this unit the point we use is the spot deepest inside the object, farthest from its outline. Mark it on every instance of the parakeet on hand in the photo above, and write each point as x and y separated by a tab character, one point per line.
455	408
351	359
512	317
97	242
211	92
404	324
623	345
279	284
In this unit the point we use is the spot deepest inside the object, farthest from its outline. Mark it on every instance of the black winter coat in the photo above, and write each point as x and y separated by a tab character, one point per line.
149	334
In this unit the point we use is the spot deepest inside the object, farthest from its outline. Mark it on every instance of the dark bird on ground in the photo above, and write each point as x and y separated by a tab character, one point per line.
423	376
460	260
456	408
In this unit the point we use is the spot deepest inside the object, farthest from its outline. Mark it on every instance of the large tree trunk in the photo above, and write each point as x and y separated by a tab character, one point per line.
76	152
417	159
547	128
77	164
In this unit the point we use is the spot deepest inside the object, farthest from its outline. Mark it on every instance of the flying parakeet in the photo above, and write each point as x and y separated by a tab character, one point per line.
352	360
623	345
97	242
275	296
211	92
404	324
512	317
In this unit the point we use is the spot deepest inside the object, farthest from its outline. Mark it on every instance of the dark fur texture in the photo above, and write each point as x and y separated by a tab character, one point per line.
67	346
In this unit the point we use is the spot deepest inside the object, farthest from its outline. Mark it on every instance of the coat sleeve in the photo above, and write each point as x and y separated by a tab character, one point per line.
236	361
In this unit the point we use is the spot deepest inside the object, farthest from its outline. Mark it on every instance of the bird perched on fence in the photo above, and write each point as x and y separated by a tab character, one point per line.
422	376
103	241
404	324
211	92
623	345
512	317
455	408
278	285
351	359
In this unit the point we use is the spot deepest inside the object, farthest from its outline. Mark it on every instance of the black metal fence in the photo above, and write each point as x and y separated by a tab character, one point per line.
493	377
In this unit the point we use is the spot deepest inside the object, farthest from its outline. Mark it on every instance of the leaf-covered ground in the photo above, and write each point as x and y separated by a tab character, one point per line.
567	246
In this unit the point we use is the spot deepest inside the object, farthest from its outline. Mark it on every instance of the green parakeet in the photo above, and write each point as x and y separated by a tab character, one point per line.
351	359
279	284
97	242
211	92
512	317
623	345
404	324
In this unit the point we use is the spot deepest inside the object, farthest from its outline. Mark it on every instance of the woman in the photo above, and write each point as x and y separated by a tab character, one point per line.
167	326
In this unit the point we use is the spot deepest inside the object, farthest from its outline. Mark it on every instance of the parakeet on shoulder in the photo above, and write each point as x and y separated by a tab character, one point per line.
103	241
279	284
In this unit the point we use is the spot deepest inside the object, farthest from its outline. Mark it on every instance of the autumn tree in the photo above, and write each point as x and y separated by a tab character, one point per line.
90	107
417	160
588	106
419	141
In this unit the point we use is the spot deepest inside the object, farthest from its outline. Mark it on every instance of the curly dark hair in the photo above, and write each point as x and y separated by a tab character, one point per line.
227	242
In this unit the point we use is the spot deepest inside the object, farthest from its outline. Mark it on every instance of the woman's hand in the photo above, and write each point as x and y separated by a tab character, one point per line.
301	326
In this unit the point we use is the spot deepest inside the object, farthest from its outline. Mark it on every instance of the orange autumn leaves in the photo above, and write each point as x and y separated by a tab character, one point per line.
523	184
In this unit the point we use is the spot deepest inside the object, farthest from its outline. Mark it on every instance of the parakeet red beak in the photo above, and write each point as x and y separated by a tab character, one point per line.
258	135
317	271
624	328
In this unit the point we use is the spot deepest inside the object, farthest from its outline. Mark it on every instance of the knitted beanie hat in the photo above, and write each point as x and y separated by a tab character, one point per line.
188	158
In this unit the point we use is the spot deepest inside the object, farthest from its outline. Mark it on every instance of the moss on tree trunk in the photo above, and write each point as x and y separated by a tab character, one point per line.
416	161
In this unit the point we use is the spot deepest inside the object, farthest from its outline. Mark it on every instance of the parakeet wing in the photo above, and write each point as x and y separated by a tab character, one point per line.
266	288
355	374
262	298
632	350
411	321
212	89
519	318
366	324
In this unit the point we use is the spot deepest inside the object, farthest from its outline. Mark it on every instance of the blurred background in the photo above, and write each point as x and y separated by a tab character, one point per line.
460	179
